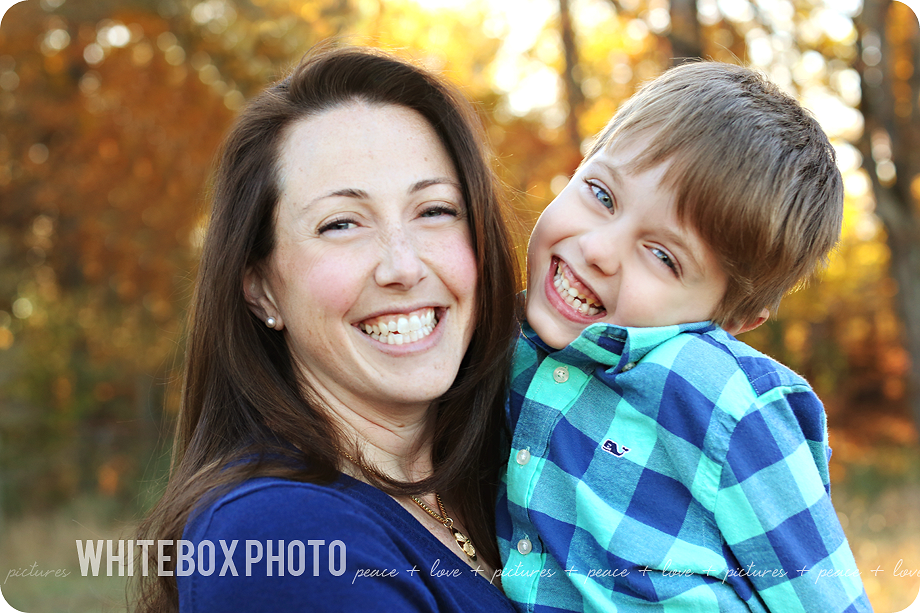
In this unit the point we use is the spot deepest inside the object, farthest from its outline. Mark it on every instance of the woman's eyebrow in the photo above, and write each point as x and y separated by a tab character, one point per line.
360	194
347	192
420	185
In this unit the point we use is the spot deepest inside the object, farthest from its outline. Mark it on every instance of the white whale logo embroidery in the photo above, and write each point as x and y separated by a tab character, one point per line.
611	446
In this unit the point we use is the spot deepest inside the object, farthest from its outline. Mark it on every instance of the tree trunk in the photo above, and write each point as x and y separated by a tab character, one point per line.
573	92
894	202
685	36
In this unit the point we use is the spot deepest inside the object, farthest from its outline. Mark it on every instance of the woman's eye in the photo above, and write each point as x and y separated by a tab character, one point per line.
665	259
439	210
602	195
337	224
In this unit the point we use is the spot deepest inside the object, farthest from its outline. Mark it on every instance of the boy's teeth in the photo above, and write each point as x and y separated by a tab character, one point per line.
401	329
574	298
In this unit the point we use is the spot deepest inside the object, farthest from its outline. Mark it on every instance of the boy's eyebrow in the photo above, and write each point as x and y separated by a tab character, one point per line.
612	170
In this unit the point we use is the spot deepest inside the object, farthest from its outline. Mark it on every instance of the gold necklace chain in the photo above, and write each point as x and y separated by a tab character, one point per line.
463	541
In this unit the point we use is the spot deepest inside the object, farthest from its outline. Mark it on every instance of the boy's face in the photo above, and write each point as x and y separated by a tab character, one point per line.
614	237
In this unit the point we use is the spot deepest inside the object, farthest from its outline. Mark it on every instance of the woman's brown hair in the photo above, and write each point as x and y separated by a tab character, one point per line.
244	411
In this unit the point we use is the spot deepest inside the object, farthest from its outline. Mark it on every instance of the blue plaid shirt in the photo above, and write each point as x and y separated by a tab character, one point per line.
668	469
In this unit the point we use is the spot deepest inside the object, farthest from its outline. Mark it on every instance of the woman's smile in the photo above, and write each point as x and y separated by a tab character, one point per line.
407	328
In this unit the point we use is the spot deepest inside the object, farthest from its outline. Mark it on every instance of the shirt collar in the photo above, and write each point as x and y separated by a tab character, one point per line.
615	346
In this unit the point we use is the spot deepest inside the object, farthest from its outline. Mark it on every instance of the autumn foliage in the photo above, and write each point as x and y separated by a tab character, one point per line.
112	114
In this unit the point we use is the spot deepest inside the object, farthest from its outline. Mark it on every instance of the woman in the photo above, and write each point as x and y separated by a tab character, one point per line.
337	446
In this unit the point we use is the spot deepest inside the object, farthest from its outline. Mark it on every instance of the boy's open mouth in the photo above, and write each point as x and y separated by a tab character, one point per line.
574	292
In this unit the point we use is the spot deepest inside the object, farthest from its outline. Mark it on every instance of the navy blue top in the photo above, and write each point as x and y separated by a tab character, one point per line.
279	545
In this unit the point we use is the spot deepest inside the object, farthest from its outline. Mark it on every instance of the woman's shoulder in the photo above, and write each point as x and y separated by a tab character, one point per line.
271	544
279	506
261	490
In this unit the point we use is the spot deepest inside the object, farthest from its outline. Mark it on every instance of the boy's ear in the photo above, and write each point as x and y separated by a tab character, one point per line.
260	298
734	328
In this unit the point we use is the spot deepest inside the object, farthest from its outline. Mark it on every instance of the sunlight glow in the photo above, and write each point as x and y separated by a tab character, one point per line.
838	120
529	85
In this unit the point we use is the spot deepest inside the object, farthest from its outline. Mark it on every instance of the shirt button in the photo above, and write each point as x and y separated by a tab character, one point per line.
628	366
561	374
524	546
523	457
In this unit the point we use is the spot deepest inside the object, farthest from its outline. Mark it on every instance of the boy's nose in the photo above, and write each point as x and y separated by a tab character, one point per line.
601	250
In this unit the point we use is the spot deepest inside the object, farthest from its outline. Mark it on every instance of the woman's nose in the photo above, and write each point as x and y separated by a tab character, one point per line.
400	264
601	249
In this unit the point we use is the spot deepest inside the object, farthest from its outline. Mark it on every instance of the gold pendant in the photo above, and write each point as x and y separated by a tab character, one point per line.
465	543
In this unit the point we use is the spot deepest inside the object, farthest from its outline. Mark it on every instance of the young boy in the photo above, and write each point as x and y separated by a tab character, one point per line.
657	463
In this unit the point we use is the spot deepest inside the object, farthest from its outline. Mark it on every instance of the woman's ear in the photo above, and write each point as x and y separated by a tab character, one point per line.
734	328
260	298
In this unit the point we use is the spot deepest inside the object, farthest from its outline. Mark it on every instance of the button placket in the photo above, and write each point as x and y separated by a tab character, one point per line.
524	546
522	457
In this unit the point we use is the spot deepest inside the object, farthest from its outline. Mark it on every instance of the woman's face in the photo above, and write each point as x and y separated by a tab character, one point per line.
373	277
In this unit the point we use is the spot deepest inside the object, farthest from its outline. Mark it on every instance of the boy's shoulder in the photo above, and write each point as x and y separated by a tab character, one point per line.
713	353
703	355
713	375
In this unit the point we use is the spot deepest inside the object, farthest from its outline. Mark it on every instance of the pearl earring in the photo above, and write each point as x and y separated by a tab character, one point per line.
270	322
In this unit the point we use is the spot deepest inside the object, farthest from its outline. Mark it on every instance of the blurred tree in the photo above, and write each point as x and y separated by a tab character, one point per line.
573	93
889	49
686	34
106	145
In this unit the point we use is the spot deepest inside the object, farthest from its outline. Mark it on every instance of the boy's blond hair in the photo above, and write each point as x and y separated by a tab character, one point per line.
753	173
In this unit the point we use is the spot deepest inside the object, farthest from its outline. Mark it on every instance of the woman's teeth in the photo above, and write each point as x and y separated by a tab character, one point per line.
401	329
584	304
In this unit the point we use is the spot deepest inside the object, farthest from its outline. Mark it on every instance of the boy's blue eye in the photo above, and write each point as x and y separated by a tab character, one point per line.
665	258
602	195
